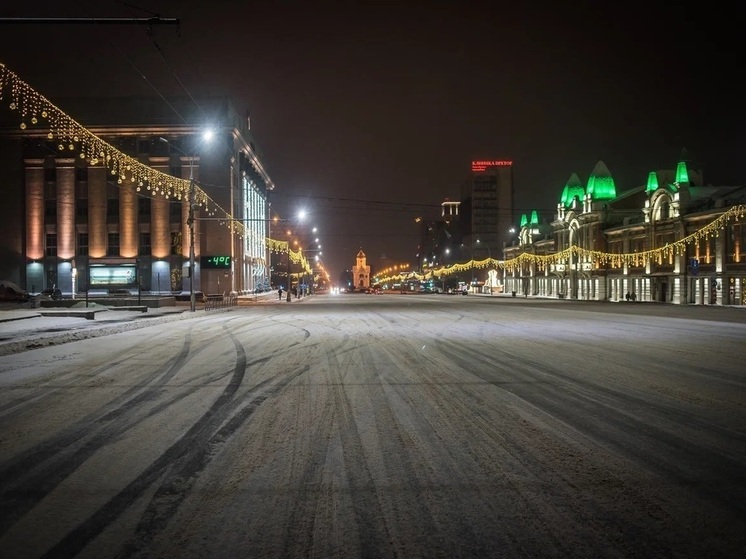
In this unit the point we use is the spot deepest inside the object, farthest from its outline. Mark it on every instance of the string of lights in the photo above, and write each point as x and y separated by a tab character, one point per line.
36	110
612	260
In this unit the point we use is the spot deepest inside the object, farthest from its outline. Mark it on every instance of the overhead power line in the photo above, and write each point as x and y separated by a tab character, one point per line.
92	20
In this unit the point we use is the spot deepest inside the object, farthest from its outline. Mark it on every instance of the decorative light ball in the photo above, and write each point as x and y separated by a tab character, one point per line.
44	114
62	148
12	106
82	155
33	120
72	147
50	135
119	181
75	139
138	189
23	126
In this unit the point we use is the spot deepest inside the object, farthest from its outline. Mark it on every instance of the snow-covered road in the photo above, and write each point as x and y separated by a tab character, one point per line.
382	426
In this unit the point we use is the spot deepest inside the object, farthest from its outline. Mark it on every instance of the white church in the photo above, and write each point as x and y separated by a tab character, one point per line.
361	272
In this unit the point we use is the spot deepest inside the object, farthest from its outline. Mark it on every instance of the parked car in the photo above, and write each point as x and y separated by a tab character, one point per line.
9	291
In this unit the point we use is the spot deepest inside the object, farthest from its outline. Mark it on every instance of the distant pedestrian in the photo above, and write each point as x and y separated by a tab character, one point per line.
279	291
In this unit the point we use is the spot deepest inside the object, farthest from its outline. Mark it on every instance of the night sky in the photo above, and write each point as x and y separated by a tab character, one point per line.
368	115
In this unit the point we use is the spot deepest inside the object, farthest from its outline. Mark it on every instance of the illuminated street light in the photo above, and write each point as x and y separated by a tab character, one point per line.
301	217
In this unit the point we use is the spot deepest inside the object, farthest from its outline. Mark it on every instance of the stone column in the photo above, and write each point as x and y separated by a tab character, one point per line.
34	209
128	229
160	231
65	208
97	234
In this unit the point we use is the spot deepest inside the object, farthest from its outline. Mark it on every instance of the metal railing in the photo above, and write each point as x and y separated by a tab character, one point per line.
220	301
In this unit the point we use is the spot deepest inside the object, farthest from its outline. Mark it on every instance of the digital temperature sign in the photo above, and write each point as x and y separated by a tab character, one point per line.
215	262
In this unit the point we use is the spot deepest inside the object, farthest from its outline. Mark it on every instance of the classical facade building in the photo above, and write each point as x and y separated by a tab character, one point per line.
673	239
74	224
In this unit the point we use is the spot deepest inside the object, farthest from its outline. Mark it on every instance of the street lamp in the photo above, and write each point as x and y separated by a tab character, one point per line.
301	217
190	219
471	258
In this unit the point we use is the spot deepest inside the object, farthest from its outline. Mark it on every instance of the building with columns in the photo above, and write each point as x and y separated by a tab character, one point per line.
70	223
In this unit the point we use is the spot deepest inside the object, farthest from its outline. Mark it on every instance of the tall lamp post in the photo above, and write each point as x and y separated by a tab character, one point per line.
290	278
301	216
190	218
471	257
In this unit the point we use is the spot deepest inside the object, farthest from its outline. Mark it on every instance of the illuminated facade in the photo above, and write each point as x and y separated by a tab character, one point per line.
77	227
638	225
361	271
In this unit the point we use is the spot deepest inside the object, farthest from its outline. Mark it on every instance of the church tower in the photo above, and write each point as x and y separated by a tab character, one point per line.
361	272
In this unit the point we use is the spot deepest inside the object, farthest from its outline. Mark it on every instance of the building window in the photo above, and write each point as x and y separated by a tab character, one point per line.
143	207
81	200
82	244
51	246
144	244
112	207
50	211
81	211
112	246
175	210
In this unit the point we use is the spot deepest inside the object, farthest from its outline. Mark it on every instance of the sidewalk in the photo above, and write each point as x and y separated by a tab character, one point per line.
10	312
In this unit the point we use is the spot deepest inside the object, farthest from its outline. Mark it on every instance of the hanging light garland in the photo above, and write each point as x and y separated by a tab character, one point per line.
36	110
614	260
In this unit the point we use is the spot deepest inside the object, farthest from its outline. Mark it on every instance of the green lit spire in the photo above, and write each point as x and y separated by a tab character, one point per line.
524	220
601	184
682	174
534	218
652	182
572	189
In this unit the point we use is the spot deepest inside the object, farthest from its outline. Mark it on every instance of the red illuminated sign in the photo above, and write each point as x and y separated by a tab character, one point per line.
481	166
